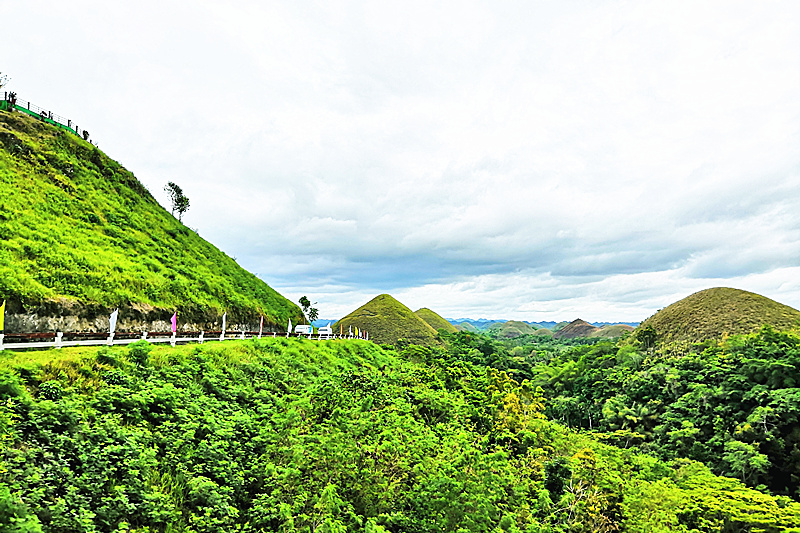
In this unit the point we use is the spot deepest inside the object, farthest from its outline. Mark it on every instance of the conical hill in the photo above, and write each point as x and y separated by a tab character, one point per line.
387	320
80	236
714	313
576	328
611	331
435	320
511	329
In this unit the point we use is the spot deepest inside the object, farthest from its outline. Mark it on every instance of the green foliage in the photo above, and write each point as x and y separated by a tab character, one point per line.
139	352
734	405
178	200
298	436
311	312
77	228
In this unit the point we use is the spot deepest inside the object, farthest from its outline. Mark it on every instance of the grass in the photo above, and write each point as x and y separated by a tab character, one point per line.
80	231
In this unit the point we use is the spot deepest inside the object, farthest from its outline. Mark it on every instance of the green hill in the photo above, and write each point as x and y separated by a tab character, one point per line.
511	329
387	320
576	328
612	331
435	320
715	313
80	236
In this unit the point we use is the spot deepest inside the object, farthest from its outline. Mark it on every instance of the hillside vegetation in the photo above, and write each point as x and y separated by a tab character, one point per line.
715	313
388	321
297	436
81	235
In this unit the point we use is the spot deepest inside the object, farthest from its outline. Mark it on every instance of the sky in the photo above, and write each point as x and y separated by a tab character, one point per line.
531	160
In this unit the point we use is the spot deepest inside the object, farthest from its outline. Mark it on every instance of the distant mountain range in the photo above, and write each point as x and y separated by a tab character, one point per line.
482	324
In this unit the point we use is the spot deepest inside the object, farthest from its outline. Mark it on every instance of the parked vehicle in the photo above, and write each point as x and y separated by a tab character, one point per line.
304	329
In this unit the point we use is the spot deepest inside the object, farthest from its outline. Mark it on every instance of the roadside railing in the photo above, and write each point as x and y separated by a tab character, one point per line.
24	341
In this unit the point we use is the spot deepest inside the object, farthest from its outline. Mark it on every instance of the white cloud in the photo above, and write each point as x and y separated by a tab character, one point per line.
482	158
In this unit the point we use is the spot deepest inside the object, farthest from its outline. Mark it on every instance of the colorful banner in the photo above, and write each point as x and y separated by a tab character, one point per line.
261	327
175	322
2	316
224	318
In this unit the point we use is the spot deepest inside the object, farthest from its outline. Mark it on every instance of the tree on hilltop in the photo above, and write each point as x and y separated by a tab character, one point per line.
179	201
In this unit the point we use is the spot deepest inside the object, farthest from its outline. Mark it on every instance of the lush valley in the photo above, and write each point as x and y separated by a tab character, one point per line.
295	435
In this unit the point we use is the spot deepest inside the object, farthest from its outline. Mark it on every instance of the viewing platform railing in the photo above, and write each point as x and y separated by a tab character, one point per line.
11	102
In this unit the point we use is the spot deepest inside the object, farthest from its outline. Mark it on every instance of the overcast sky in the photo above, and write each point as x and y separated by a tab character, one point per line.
523	160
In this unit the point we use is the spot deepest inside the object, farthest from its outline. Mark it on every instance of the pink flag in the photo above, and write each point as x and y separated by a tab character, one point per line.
174	322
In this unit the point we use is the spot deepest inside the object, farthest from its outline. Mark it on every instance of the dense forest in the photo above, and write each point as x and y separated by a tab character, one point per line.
292	435
733	405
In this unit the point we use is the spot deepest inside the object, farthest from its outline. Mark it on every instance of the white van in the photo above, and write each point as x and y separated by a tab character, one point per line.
303	329
325	330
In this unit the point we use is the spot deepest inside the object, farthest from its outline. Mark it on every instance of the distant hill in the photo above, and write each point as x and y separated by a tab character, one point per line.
484	324
559	326
480	324
576	328
612	331
713	313
512	329
435	320
80	236
387	320
466	326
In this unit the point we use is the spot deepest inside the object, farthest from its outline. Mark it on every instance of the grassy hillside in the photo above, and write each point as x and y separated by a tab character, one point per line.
81	235
435	320
298	436
714	313
612	331
576	328
387	320
511	329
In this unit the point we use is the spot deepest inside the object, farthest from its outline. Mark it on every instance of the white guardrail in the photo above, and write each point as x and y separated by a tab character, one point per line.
59	342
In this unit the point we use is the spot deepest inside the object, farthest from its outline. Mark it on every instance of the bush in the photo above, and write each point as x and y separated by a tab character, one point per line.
139	352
